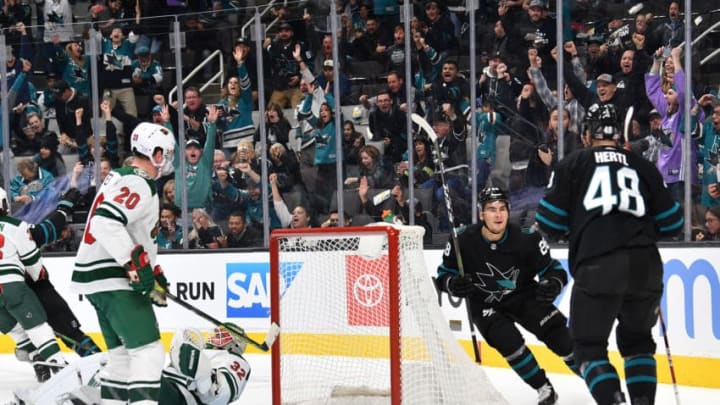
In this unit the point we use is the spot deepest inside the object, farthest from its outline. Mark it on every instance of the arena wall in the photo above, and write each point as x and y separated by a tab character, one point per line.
234	287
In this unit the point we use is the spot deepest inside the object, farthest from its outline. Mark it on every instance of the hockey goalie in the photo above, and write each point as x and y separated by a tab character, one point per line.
200	372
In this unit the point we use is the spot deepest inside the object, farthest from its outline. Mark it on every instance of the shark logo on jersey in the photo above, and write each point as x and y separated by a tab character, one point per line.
496	283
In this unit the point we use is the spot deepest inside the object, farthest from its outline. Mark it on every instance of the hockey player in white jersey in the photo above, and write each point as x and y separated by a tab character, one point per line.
213	376
116	268
58	314
22	315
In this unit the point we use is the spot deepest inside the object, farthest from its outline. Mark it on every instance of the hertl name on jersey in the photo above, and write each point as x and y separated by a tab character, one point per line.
607	156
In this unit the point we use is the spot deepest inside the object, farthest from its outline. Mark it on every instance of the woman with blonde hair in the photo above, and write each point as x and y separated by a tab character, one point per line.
285	164
75	69
205	234
168	193
244	165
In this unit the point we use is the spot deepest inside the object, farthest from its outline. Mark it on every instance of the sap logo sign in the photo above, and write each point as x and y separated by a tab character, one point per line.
248	287
248	290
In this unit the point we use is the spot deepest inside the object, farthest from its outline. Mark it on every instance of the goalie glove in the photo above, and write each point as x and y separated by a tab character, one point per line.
548	289
460	286
158	294
139	271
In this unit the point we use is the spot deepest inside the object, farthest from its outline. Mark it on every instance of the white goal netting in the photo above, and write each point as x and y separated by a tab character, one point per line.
353	334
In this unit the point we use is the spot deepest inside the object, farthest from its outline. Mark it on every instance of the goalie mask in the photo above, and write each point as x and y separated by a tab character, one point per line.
221	339
147	138
601	122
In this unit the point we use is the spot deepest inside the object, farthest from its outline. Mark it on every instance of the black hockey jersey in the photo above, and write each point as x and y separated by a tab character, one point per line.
607	198
500	270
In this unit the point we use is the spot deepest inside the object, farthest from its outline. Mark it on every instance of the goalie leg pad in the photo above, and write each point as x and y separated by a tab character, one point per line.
74	377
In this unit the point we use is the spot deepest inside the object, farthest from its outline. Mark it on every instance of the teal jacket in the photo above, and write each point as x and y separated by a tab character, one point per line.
198	180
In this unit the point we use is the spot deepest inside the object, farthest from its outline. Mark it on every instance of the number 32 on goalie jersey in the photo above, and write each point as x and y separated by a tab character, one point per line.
621	188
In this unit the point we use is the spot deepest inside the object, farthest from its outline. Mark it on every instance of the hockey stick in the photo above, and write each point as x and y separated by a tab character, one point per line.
423	124
234	330
48	364
626	126
669	356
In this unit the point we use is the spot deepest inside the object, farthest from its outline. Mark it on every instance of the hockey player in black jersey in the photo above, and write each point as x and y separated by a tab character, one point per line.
501	262
612	205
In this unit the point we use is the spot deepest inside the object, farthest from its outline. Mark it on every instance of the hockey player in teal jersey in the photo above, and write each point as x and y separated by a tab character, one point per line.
612	206
510	279
116	268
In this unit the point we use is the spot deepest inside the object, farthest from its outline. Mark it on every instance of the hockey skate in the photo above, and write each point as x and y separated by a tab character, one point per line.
547	394
44	370
619	399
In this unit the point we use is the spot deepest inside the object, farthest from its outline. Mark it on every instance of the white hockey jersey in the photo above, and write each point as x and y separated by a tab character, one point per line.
18	252
124	214
231	372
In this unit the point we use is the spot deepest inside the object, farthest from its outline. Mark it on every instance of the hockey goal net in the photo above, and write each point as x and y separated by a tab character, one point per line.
361	324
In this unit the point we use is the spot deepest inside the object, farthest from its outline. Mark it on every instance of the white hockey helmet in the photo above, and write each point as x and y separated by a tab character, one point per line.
147	138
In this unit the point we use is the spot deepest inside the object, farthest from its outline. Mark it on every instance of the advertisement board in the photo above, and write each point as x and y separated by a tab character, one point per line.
235	287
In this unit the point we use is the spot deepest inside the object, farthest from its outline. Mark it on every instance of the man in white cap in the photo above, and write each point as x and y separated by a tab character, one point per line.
326	82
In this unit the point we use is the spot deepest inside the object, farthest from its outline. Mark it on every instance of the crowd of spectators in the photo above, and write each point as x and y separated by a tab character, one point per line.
629	60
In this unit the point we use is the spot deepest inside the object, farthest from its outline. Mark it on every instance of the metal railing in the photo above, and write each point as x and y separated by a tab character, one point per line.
260	15
211	81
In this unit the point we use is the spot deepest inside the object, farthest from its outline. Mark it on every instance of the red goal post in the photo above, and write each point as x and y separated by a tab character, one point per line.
360	322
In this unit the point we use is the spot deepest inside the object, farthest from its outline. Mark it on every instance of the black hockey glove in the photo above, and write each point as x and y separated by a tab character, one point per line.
157	295
68	201
460	286
548	289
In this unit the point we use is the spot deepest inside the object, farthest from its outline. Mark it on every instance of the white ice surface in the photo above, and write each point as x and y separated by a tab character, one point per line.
14	375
